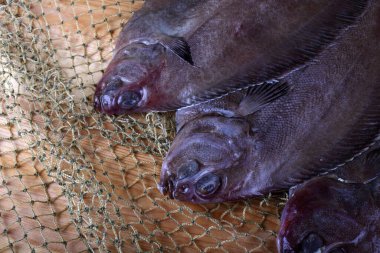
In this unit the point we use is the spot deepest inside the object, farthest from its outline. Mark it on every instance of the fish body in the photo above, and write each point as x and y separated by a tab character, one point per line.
176	53
329	216
329	115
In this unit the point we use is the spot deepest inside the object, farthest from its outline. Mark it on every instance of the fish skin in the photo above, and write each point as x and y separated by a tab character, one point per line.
273	37
331	115
344	217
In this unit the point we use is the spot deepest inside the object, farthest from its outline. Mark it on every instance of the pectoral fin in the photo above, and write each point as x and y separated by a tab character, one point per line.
178	46
260	95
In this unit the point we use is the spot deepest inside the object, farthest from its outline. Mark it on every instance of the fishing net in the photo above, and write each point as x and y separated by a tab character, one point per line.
73	180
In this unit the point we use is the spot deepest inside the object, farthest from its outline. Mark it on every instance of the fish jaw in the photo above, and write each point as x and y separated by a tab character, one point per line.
124	87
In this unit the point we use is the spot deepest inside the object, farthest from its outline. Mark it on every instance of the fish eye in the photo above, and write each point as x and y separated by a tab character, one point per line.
132	49
129	51
106	100
129	99
188	169
113	84
311	243
208	184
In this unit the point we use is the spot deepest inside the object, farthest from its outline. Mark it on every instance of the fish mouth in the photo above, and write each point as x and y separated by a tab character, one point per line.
116	105
97	105
207	183
167	182
166	186
118	101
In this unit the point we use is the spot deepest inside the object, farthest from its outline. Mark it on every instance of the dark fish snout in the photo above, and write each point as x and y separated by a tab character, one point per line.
189	183
127	78
116	99
171	184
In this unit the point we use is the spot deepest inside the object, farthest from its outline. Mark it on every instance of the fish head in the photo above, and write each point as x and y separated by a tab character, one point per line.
205	162
125	83
325	215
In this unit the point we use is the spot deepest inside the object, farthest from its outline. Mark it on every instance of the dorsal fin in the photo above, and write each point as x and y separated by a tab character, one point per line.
361	138
260	95
363	170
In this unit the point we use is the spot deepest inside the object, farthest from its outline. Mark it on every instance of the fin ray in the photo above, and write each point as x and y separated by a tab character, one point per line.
178	46
258	96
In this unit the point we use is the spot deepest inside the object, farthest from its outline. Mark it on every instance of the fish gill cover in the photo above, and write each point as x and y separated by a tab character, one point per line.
73	180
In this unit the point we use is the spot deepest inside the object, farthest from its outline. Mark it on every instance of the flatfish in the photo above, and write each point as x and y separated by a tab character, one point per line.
177	53
277	135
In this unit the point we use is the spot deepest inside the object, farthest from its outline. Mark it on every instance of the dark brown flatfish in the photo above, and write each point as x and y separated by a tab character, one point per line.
277	135
176	53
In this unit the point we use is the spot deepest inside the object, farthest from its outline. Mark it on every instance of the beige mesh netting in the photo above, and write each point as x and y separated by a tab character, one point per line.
73	180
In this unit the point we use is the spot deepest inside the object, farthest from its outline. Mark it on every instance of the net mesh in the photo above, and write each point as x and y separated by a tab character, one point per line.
73	180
